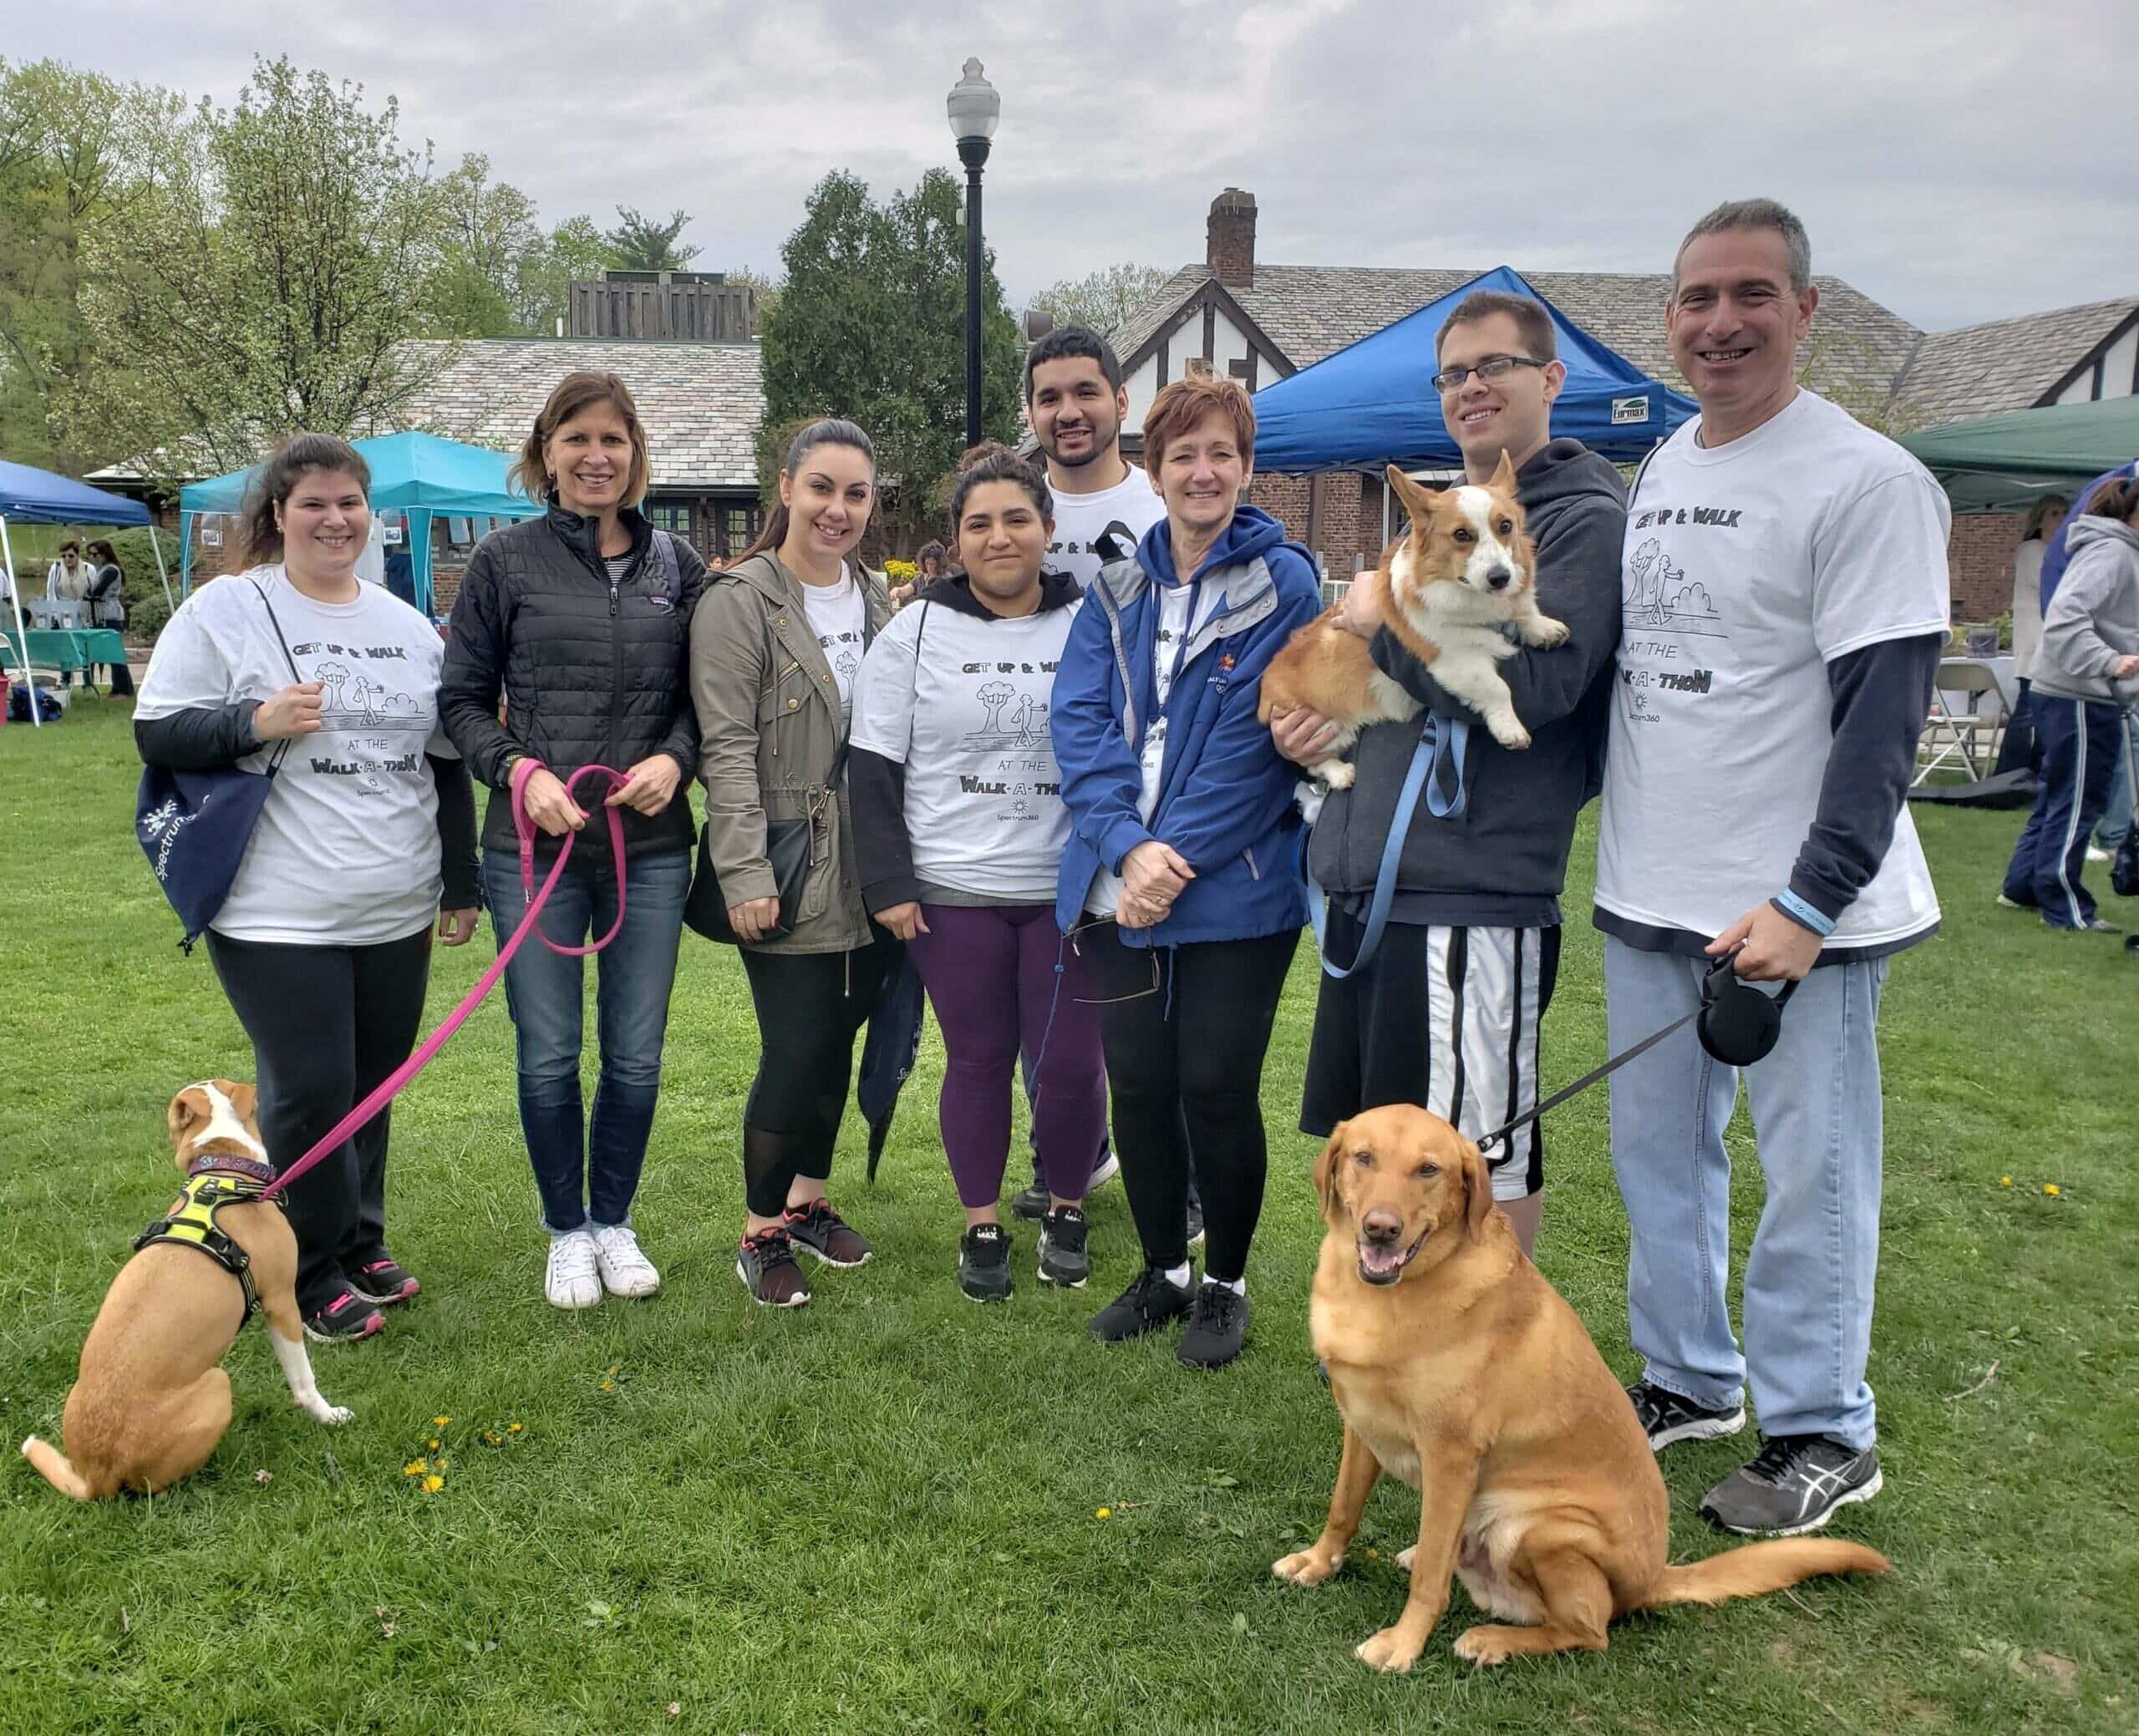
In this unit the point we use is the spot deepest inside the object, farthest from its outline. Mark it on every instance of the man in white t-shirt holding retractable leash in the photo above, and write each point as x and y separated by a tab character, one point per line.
1076	402
1785	600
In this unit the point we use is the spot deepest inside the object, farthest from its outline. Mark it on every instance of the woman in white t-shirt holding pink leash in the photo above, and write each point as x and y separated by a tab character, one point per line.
366	837
776	646
960	825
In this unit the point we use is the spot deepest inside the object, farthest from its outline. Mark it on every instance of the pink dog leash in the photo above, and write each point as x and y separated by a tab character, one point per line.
390	1087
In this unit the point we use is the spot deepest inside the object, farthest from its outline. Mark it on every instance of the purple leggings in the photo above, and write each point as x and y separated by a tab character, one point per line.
990	976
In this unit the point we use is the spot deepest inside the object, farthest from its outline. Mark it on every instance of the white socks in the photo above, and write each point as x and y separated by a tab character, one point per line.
1238	1286
1179	1276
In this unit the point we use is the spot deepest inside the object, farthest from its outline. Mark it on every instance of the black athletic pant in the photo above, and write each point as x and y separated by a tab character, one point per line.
810	1006
327	1023
1186	1029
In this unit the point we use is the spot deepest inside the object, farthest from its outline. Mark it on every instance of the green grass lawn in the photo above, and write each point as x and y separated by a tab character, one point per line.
881	1513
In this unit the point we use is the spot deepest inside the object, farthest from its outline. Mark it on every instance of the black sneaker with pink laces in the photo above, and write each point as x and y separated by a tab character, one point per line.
766	1265
827	1234
383	1281
345	1319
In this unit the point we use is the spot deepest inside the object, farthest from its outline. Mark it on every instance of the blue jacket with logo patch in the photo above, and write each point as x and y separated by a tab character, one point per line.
1225	794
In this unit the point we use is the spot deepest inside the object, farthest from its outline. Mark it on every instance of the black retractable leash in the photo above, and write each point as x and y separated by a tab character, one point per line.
1736	1023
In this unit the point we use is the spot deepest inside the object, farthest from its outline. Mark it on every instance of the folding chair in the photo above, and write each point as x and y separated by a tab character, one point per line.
1950	733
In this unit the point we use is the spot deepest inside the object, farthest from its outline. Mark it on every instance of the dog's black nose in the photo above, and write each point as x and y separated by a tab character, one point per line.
1382	1228
1498	579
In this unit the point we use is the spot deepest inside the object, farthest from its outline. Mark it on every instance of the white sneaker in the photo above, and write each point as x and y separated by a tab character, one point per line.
2096	853
571	1281
1107	1171
625	1271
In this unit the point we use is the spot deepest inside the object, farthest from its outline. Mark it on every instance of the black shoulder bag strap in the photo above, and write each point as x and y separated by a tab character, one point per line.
283	747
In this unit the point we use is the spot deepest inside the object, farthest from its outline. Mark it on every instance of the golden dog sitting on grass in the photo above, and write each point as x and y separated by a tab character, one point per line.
152	1399
1459	1369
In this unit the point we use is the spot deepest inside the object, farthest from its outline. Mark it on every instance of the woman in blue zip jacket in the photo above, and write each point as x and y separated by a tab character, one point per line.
1177	884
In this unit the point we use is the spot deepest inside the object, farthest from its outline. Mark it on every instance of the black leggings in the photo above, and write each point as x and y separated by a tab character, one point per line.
327	1023
1184	1058
810	1005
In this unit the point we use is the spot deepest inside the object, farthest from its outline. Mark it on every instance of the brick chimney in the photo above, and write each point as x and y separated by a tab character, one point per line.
1229	243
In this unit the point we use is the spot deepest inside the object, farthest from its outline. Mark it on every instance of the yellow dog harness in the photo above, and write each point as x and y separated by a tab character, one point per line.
193	1225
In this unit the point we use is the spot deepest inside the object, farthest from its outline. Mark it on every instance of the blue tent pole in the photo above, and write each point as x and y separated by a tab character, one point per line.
416	523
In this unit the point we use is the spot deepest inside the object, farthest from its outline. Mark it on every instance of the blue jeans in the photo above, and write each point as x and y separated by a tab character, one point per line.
1816	1109
590	1175
2081	739
2116	817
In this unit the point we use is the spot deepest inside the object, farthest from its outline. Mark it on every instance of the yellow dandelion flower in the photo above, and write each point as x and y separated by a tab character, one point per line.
1104	1513
2004	1181
2053	1189
512	1429
432	1484
415	1468
432	1445
611	1369
609	1386
440	1421
1373	1554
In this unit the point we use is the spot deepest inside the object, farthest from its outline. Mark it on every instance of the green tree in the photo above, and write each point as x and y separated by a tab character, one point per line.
642	243
1104	301
263	279
870	324
574	250
487	234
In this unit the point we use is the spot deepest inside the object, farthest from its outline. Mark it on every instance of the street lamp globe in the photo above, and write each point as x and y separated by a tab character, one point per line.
973	106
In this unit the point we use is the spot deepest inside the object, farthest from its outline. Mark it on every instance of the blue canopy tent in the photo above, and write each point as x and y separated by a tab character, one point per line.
1373	403
418	474
41	498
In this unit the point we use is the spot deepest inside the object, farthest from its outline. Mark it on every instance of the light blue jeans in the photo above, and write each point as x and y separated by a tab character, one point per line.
2116	817
1815	1103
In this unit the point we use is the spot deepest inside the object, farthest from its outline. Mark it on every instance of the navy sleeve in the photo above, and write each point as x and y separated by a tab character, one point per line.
681	741
875	790
1881	695
458	867
203	738
473	678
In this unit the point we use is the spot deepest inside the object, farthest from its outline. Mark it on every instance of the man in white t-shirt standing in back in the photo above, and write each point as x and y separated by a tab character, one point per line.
1076	402
1784	600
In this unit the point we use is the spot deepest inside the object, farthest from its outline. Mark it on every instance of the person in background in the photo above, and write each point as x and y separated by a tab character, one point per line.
928	568
67	580
107	605
2086	677
1177	883
579	621
2035	530
959	817
366	839
774	651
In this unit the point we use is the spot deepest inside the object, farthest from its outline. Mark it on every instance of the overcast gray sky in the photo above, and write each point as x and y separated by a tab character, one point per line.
1958	161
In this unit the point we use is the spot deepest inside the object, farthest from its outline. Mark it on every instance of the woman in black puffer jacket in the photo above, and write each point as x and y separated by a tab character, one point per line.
581	622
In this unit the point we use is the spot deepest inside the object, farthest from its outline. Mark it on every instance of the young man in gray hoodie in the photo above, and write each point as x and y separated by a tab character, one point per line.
1446	1014
2085	675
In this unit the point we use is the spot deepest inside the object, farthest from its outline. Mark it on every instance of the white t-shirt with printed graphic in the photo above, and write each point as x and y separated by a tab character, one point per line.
962	705
1174	628
839	618
346	850
1129	509
1750	566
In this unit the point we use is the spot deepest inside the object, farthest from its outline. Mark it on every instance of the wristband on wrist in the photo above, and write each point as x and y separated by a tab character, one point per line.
1802	914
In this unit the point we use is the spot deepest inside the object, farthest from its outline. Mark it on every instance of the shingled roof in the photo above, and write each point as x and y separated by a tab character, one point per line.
1310	311
701	402
2005	364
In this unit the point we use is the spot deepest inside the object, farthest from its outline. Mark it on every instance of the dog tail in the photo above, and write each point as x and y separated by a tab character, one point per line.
51	1465
1760	1568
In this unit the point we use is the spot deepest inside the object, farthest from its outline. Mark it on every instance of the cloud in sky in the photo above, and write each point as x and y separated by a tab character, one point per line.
1958	162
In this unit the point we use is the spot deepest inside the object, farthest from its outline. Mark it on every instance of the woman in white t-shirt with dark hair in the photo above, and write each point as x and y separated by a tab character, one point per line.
367	838
775	644
959	817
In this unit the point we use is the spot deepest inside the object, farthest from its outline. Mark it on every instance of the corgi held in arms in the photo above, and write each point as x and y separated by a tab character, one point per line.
1447	588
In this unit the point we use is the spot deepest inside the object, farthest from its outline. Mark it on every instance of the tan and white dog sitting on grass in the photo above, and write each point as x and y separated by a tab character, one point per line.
1446	588
152	1399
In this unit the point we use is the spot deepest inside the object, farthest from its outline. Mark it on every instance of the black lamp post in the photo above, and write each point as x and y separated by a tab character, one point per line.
974	108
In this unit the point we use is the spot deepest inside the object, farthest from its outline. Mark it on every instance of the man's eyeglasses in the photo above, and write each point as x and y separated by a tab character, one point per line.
1492	367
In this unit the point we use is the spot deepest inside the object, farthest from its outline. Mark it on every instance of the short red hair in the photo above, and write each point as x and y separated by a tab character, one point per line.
1181	406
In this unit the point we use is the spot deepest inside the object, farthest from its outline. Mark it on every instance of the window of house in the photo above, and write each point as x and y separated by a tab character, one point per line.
674	516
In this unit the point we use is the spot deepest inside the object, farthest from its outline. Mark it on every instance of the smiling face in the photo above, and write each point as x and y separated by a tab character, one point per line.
589	459
1001	539
1512	415
1407	1187
325	521
828	499
1734	325
1076	415
1201	476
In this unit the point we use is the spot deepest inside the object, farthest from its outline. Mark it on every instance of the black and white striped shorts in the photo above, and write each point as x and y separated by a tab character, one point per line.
1446	1018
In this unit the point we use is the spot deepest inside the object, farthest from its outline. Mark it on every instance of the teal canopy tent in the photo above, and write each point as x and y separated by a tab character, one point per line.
2001	463
418	474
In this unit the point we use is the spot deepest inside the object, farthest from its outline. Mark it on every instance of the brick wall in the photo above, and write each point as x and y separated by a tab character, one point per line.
1327	513
1979	561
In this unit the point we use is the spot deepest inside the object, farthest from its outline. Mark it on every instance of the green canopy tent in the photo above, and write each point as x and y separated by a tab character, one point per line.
2003	464
418	474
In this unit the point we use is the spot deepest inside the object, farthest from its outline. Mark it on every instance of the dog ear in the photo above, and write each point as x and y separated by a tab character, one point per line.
1325	1172
244	1104
188	1110
1503	475
1479	1179
1416	496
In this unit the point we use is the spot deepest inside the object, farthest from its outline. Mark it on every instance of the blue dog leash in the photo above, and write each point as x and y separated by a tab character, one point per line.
1436	770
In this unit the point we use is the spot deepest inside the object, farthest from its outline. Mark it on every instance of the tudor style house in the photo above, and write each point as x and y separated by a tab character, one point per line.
1233	315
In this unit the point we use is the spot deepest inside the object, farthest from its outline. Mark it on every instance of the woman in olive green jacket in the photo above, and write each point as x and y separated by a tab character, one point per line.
775	644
